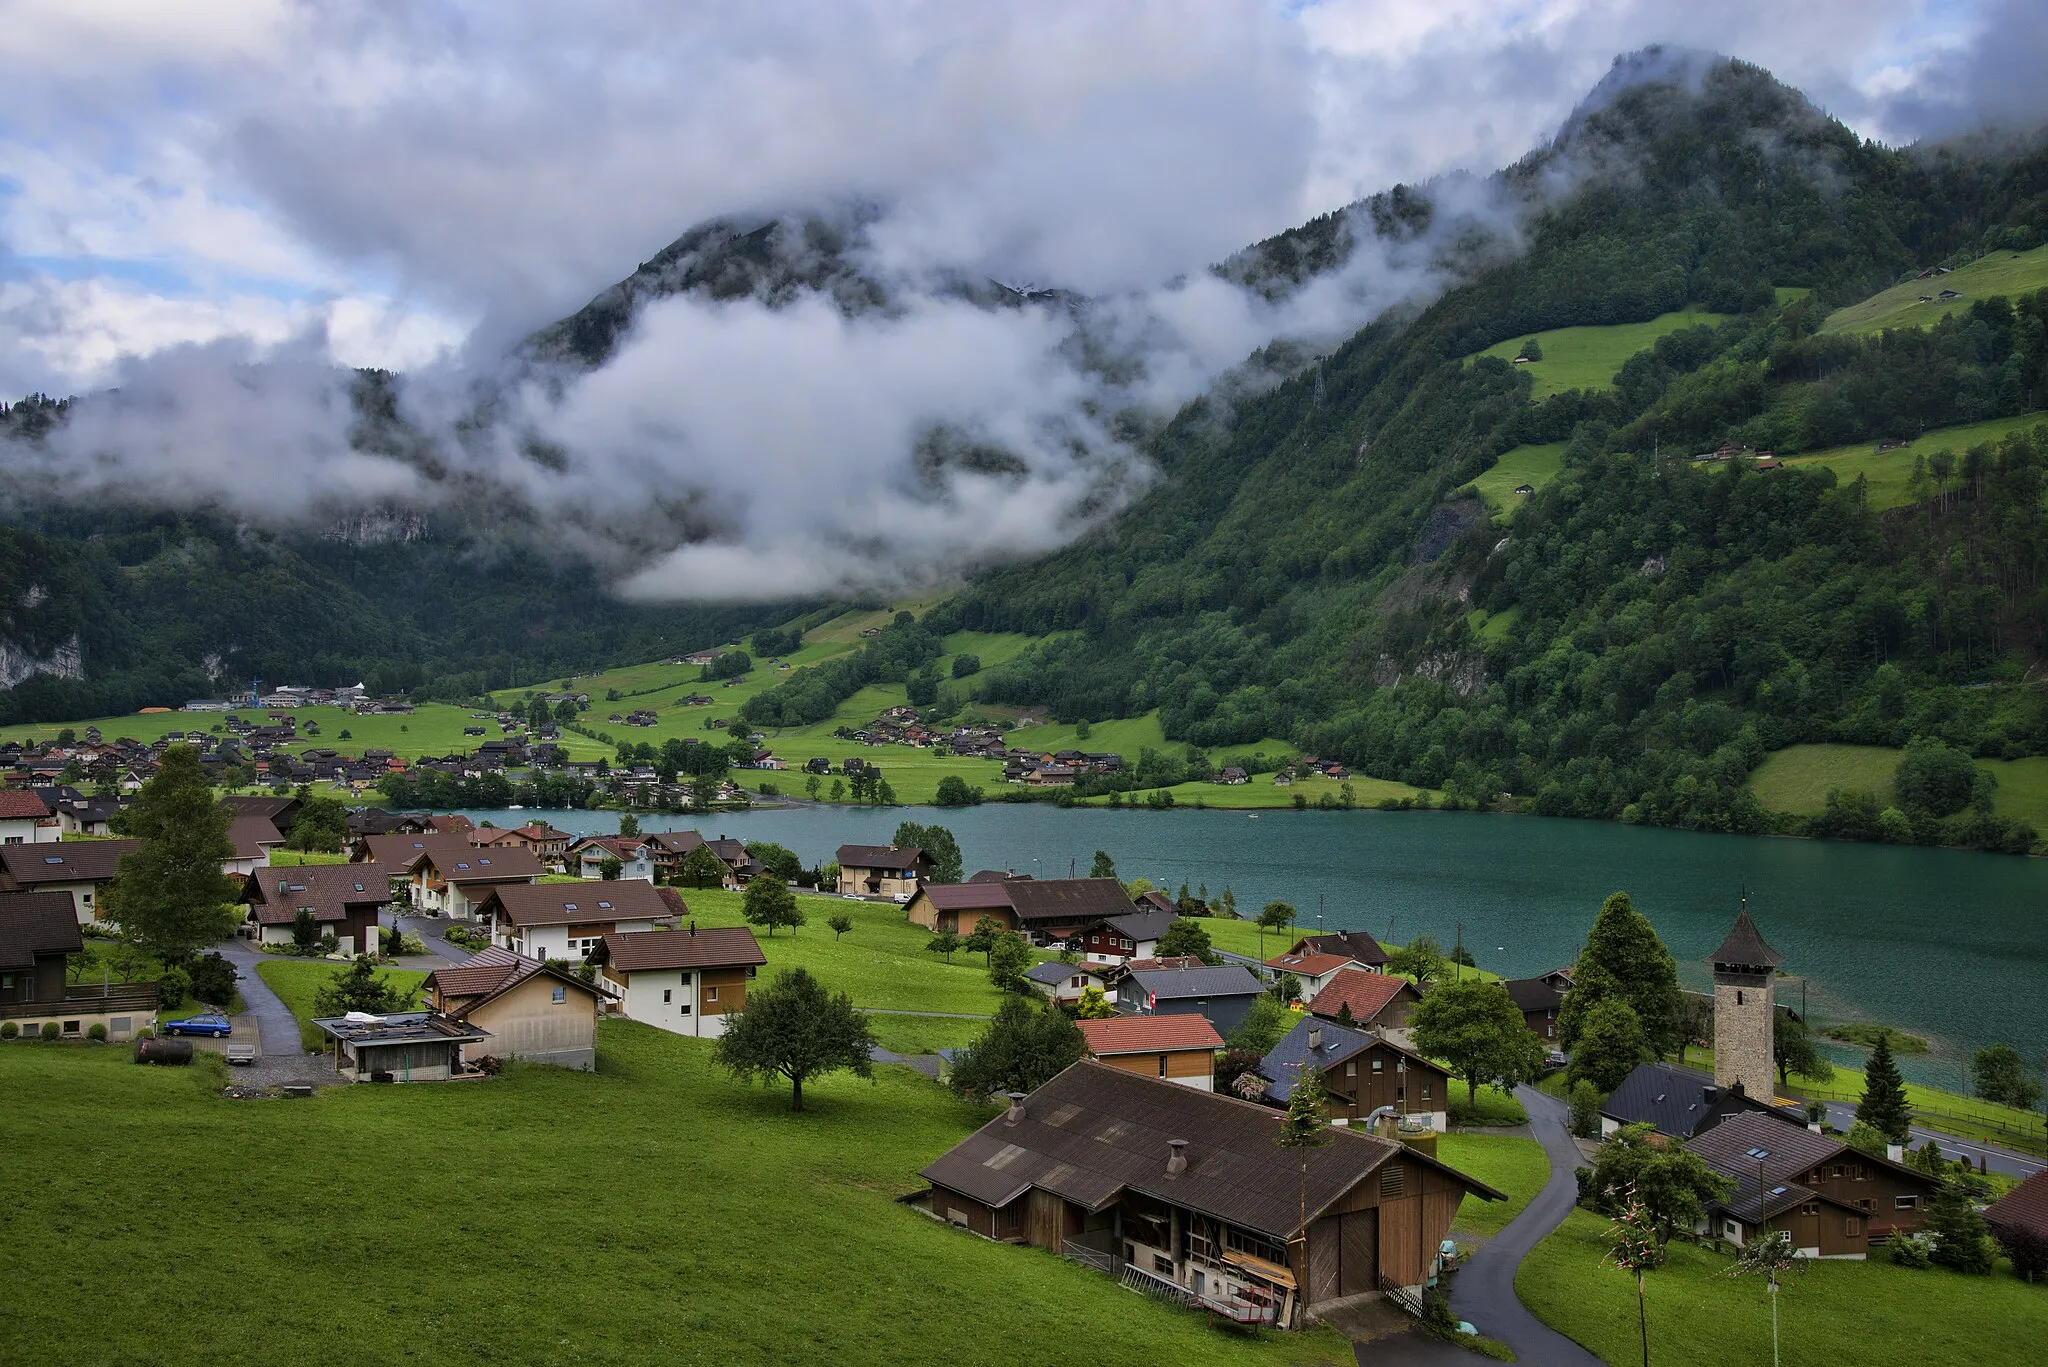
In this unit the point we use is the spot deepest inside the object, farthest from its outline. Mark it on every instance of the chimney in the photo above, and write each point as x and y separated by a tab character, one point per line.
693	927
1710	1093
1016	1111
1315	1037
1178	1162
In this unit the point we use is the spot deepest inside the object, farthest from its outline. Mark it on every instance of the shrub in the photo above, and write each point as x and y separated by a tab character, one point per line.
1912	1250
213	980
97	1031
1585	1121
9	1030
173	986
409	943
146	1032
50	1030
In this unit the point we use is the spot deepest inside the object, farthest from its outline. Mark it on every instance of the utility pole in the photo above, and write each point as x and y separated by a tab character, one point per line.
1319	913
1458	955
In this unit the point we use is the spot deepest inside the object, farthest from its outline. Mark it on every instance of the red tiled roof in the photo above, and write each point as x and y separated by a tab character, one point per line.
719	947
19	804
1144	1034
2024	1207
1367	994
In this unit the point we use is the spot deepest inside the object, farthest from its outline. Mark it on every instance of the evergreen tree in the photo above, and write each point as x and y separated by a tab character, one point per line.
1024	1047
1962	1241
770	903
1103	867
793	1028
169	896
1884	1106
938	845
360	987
1624	958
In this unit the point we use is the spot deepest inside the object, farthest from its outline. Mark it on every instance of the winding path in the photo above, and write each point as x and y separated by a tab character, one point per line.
282	1058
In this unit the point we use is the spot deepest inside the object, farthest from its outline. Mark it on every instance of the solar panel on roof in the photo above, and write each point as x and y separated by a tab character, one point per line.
1758	1153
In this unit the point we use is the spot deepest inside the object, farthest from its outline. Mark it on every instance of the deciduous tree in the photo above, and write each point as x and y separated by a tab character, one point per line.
1008	958
170	896
770	903
793	1028
1999	1075
1024	1047
938	845
360	987
1610	1045
1475	1028
1185	937
1624	958
701	868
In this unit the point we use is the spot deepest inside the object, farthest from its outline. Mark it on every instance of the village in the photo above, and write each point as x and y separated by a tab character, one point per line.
1271	1140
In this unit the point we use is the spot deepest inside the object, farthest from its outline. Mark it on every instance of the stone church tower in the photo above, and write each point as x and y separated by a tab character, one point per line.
1746	1010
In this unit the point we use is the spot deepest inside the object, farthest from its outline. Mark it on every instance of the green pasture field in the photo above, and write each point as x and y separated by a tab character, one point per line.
1588	357
1999	273
1873	1313
1889	473
1797	779
298	981
1535	466
431	729
1518	1167
653	1211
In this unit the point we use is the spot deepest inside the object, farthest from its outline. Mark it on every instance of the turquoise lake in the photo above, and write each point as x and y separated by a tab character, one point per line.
1948	945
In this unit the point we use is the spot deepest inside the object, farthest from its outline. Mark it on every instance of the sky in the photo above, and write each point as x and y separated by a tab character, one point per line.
234	196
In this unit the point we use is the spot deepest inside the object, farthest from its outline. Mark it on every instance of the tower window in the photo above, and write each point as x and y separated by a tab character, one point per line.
1738	996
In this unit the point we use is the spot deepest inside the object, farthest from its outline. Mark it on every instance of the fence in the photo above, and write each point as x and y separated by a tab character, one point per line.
2016	1129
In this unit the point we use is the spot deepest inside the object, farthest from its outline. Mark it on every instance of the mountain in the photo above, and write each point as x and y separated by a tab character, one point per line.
1330	551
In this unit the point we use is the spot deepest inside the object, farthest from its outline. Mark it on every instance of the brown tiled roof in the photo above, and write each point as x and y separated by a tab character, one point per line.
673	900
968	896
491	973
399	848
269	808
1095	1132
675	842
877	857
1745	947
1314	965
720	947
989	876
585	902
2024	1207
1068	899
1353	944
1144	1034
1367	994
249	834
1533	994
331	890
467	864
33	923
19	804
67	861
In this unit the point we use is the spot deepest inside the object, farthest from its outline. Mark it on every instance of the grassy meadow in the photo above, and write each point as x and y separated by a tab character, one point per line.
1534	466
298	981
1888	473
1871	1313
1588	357
653	1212
1518	1167
1797	779
2004	273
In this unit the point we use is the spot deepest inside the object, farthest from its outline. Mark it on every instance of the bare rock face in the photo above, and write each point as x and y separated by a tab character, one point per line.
18	665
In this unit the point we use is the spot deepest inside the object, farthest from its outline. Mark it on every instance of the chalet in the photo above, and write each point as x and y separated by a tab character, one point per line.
1364	1071
404	1046
957	906
1677	1102
587	856
1178	1049
454	879
253	838
1057	910
281	812
82	869
1539	1000
1233	774
77	814
1183	1193
1525	490
25	819
531	1010
38	934
1223	994
1378	1000
1313	972
1356	945
566	920
1833	1201
1064	983
882	871
740	867
688	982
1133	935
345	900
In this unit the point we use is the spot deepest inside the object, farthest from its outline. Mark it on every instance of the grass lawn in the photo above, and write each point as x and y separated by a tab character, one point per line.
1889	472
298	981
652	1212
1870	1313
1515	1166
1999	273
1588	357
1491	1107
1535	466
291	859
1797	779
882	961
923	1034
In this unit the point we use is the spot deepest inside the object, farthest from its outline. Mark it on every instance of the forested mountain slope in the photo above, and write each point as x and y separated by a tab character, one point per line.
1308	565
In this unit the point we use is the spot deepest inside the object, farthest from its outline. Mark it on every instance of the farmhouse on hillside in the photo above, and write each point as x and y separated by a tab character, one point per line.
1064	983
882	871
1183	1193
1363	1070
688	982
530	1010
567	920
1179	1049
1834	1201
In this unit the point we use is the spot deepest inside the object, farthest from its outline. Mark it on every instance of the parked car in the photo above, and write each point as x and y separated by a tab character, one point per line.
206	1023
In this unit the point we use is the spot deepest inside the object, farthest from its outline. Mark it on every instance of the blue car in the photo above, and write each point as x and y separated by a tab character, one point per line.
210	1023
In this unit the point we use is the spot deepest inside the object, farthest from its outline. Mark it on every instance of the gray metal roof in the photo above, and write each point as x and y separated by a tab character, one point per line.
1230	980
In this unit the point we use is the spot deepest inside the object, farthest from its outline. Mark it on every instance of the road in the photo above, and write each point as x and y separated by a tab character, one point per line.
432	930
1484	1290
1842	1114
283	1058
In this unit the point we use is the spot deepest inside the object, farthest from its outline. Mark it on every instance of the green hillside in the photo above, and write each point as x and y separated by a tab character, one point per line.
1534	466
1799	779
1999	274
1890	473
1588	357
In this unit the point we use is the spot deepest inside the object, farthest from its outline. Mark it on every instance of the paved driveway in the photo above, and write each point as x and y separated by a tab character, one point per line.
282	1058
1484	1290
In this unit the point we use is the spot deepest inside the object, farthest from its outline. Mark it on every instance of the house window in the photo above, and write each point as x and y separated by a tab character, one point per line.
71	1027
561	995
1378	1065
1905	1203
1162	1065
121	1025
1810	1208
1425	1091
1732	1230
711	994
667	995
1852	1225
1351	1067
1162	1264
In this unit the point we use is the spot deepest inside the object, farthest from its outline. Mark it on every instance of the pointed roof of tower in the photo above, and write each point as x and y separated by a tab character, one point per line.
1745	946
